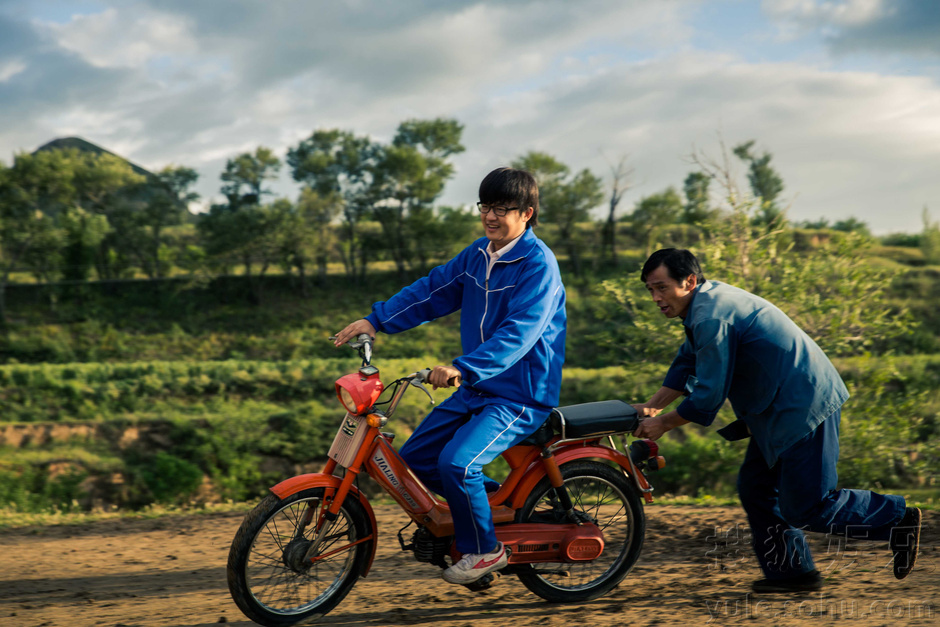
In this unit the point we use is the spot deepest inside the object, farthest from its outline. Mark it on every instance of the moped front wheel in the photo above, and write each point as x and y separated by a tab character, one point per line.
604	496
269	577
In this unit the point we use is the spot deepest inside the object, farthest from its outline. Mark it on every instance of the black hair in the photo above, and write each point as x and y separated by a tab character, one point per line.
680	263
511	186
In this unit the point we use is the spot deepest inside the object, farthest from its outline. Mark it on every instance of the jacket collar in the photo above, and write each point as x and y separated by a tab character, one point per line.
527	242
704	287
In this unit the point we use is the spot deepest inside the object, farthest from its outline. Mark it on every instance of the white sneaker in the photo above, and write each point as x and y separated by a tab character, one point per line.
472	566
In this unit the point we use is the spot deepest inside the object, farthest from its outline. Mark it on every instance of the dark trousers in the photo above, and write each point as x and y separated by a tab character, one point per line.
799	493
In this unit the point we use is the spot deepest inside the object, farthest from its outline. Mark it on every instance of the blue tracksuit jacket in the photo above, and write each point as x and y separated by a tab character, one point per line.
512	320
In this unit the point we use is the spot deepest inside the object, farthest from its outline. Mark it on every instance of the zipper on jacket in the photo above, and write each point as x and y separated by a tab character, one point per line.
486	286
486	293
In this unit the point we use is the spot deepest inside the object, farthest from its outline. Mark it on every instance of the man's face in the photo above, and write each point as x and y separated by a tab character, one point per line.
502	230
671	296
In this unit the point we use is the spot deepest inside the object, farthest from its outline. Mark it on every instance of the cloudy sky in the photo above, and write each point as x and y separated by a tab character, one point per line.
844	93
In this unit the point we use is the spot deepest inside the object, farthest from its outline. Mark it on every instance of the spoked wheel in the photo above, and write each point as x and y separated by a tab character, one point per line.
600	495
269	578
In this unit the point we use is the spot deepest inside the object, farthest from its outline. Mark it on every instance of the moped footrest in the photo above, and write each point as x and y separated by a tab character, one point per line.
594	419
483	583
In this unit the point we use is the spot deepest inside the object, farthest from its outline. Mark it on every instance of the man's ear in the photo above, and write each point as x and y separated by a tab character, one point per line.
691	282
527	215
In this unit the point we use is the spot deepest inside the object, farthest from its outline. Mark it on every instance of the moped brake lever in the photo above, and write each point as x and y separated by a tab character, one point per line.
418	381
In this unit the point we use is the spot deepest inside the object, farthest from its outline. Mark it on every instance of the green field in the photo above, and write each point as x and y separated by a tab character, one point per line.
168	394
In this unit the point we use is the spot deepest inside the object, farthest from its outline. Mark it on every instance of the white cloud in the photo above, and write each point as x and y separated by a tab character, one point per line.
838	139
11	68
839	13
852	26
195	83
130	38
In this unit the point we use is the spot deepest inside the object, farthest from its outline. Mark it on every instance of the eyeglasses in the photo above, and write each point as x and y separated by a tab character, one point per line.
497	210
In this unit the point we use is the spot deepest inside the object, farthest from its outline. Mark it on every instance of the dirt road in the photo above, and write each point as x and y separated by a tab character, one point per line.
695	569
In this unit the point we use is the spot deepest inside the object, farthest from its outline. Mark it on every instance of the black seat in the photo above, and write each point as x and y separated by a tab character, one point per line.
586	420
594	419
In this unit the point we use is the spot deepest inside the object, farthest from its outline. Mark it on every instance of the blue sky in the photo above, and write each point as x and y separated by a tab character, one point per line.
844	93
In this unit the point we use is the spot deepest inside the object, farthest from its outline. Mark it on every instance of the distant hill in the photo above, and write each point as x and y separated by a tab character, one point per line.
86	146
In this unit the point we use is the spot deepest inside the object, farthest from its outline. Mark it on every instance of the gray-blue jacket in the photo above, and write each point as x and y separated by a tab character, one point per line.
741	347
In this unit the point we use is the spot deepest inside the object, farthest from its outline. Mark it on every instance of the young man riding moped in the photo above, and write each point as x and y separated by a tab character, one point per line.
508	288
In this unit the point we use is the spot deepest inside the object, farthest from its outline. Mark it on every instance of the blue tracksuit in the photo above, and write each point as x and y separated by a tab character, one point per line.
787	395
512	329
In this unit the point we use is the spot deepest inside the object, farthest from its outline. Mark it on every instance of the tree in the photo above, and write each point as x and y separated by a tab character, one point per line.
239	228
563	200
765	183
245	175
409	175
852	225
31	190
107	185
653	212
832	291
439	233
308	237
167	201
697	207
620	183
820	223
84	231
250	235
338	164
930	239
37	190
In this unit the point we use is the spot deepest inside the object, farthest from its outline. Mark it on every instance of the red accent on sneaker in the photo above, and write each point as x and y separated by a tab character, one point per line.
485	563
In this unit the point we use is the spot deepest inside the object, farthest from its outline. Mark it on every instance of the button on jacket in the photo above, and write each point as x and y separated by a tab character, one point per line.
741	347
512	317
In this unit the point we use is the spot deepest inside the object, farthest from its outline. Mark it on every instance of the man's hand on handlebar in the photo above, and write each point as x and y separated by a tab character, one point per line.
444	377
352	331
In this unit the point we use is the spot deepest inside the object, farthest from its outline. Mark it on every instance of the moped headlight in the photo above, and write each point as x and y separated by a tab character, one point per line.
358	392
348	401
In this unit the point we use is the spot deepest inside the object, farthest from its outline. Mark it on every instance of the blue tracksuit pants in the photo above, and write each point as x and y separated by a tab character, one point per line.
799	493
452	444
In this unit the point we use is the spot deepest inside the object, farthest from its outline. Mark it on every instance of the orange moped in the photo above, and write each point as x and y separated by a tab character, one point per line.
569	512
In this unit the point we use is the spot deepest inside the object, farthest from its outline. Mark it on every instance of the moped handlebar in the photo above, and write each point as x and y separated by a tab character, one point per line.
363	343
422	377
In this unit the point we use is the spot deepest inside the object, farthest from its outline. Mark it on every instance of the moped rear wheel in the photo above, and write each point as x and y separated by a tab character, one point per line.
604	496
267	575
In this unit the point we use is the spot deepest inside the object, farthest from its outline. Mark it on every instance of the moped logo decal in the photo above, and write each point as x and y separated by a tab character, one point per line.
383	465
349	427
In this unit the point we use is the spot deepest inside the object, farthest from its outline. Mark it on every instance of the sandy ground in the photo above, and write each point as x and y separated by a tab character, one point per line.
696	569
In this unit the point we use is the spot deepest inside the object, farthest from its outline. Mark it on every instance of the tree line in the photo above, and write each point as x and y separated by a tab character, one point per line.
68	216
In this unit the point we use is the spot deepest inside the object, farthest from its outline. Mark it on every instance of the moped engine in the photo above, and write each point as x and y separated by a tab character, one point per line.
427	547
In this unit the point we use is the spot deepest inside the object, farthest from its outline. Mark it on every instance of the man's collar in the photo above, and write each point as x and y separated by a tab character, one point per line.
704	285
522	246
505	249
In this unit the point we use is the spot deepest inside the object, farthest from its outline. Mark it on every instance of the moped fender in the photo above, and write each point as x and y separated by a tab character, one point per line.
320	480
572	453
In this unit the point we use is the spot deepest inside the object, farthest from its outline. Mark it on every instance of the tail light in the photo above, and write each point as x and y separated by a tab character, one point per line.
645	455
